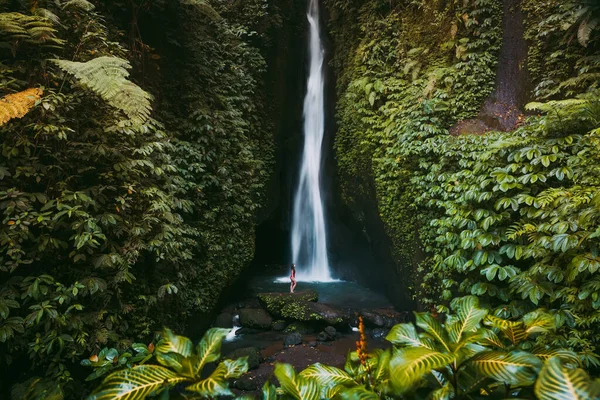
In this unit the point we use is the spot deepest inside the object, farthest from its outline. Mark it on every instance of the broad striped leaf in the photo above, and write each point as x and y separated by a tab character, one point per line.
514	331
409	365
332	391
209	348
446	392
383	366
235	368
215	385
269	391
565	356
559	382
469	317
172	343
327	376
516	368
298	387
136	383
404	335
538	322
433	327
358	393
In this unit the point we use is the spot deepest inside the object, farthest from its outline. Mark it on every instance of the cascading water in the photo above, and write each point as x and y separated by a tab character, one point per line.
309	241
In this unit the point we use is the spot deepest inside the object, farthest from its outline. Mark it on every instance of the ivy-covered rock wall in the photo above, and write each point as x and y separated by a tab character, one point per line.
507	216
133	170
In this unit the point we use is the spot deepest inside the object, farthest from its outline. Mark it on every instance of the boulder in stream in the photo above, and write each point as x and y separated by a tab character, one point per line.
224	320
255	318
253	354
274	302
292	339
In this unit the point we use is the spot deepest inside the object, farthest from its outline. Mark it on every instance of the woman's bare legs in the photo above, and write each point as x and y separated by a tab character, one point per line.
292	286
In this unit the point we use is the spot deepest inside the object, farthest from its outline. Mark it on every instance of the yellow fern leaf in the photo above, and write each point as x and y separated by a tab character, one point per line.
16	105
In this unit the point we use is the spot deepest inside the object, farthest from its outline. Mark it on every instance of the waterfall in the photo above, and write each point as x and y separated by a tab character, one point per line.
309	241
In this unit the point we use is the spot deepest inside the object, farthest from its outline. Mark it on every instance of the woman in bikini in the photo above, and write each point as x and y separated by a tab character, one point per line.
293	279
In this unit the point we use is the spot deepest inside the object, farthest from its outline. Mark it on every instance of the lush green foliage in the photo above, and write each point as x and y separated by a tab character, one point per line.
112	223
474	355
180	363
510	217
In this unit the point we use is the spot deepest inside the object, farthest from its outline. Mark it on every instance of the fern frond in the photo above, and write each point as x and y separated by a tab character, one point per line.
82	4
16	27
49	15
16	105
107	77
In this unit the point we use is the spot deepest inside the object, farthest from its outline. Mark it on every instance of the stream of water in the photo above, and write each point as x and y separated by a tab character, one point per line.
309	235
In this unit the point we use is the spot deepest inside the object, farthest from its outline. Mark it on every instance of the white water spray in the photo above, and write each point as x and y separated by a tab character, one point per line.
309	241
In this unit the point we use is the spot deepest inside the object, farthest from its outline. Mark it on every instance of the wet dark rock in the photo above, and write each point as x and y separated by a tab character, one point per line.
331	331
246	383
383	318
247	331
312	344
372	318
379	333
293	339
275	302
323	337
279	325
224	320
255	318
300	327
253	354
248	303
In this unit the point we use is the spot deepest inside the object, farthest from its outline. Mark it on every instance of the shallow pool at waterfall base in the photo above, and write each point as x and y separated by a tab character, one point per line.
336	292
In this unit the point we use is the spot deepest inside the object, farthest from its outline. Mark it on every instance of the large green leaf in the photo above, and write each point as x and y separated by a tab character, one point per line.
514	330
215	385
136	383
409	365
566	356
172	343
298	387
559	382
358	393
516	368
433	327
327	376
235	368
469	317
405	335
381	374
209	348
269	391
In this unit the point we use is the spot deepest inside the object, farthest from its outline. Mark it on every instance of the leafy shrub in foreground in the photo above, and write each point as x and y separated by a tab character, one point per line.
472	355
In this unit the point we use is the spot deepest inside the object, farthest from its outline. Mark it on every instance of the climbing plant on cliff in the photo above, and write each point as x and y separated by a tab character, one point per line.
505	216
114	224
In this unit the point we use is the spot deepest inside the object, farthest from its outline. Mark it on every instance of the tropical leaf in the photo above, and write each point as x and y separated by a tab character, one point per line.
446	392
136	383
215	385
209	348
469	317
538	322
269	391
514	330
358	393
16	105
327	376
107	77
559	382
516	368
235	368
405	335
565	356
433	327
172	343
409	365
296	386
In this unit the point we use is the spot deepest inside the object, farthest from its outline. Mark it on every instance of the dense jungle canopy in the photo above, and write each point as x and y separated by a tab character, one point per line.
145	142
